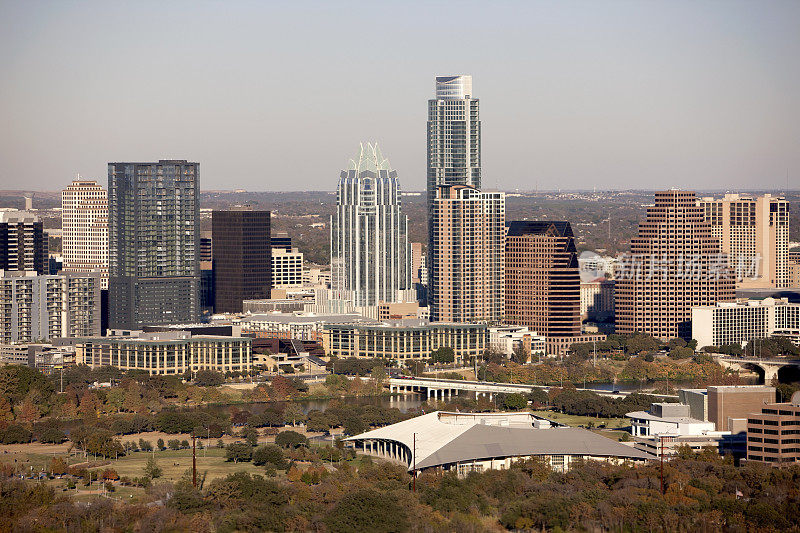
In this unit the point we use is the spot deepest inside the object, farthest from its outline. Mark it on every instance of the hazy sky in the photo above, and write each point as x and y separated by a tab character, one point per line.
277	96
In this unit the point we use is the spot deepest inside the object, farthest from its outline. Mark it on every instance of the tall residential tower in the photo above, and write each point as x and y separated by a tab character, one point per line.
467	271
153	214
454	137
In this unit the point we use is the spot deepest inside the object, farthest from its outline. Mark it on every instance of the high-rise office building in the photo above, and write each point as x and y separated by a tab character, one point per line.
370	253
454	137
242	257
754	233
675	264
43	307
287	268
23	243
154	243
84	228
543	284
467	272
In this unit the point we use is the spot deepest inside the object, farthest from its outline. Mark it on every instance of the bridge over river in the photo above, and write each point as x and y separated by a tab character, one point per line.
769	368
445	388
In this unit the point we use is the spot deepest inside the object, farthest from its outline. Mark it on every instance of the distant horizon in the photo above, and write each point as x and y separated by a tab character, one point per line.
661	94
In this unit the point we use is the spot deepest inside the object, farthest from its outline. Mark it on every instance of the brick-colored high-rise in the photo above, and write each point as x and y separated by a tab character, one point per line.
467	271
675	264
543	281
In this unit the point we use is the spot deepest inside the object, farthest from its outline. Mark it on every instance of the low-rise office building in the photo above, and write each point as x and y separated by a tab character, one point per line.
741	321
597	297
43	357
167	352
773	433
667	426
507	339
404	340
302	326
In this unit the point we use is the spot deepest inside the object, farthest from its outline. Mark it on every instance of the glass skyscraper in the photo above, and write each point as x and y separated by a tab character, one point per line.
370	253
153	243
454	136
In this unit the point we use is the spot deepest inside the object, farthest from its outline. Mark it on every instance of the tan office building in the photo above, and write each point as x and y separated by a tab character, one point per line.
675	264
729	406
754	233
773	433
467	270
84	227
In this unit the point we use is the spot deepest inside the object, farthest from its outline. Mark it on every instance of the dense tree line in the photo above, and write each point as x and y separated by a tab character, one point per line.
703	493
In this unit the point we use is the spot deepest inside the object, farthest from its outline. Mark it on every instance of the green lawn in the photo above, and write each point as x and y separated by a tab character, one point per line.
576	420
175	463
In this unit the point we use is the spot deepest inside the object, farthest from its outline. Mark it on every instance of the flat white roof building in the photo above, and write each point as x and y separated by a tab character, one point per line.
467	442
743	320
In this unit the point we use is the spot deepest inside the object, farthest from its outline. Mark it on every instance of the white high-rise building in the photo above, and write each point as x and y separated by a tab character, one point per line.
754	233
370	253
454	136
84	227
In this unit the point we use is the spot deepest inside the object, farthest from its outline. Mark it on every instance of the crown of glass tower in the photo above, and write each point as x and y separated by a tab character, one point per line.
370	254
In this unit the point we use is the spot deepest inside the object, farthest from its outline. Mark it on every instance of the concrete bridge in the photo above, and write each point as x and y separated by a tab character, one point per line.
768	368
446	388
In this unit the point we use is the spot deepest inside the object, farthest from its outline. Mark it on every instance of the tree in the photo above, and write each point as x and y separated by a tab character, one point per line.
209	378
269	454
515	401
238	452
378	376
292	414
520	355
174	444
151	469
367	510
109	474
681	352
251	436
290	439
444	354
160	444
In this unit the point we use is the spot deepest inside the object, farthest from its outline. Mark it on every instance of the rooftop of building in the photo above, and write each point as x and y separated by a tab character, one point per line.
441	438
307	318
556	228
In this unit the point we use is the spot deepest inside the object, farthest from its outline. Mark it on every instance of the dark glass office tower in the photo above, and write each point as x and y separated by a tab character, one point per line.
242	257
23	243
153	212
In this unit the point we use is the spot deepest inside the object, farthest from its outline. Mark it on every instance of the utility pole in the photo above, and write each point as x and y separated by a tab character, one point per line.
661	438
194	462
414	468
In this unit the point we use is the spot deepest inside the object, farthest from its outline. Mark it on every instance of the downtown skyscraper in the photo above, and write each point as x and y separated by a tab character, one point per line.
153	243
675	264
454	136
754	233
242	257
466	281
370	253
84	227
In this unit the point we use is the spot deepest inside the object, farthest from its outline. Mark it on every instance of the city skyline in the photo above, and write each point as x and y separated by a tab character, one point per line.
568	102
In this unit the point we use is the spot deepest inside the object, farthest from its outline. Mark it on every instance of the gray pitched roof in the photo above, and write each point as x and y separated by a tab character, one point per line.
484	442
